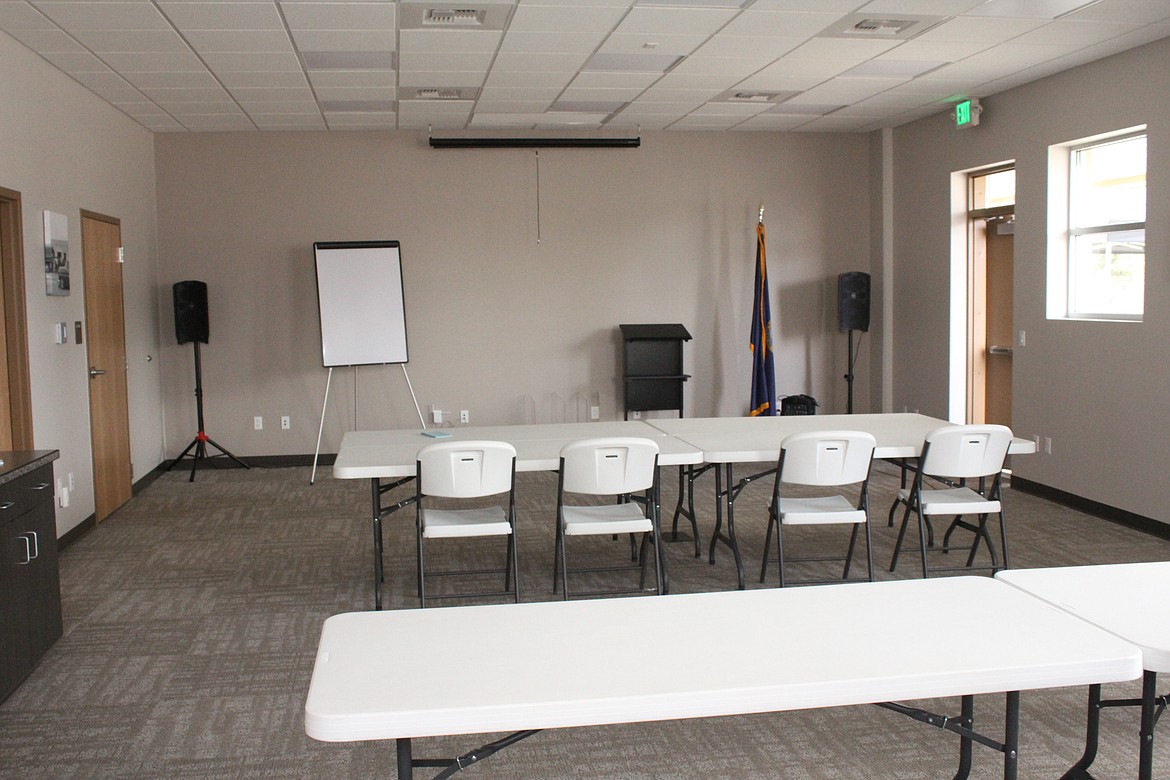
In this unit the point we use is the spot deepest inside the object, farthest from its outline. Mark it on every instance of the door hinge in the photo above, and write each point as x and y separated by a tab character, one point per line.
121	254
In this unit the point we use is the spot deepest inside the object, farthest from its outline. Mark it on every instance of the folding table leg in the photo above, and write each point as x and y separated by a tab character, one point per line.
1146	753
405	759
1080	770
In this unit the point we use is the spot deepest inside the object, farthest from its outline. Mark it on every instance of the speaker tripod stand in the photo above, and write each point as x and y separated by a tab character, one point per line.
201	440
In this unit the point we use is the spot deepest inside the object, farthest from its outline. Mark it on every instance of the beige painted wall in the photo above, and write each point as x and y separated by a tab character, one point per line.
662	233
65	150
1098	389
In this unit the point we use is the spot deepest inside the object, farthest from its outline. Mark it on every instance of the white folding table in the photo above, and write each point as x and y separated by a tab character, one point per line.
1130	601
405	674
378	455
726	441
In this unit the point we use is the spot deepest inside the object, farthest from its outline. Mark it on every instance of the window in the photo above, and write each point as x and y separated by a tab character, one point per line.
1107	229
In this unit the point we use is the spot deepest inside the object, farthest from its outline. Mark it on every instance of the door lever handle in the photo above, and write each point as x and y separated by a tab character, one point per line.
1006	351
95	372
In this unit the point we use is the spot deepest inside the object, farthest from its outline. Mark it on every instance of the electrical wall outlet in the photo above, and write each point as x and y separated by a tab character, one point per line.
635	415
437	416
285	423
258	423
594	413
1047	445
464	416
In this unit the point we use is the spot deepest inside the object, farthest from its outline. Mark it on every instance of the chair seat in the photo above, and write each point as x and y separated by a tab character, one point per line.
819	511
448	523
607	519
956	501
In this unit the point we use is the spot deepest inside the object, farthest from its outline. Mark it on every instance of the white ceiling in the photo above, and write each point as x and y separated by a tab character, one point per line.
525	65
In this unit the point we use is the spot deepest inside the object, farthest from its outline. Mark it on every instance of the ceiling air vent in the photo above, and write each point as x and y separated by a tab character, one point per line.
886	27
437	94
454	17
904	27
752	96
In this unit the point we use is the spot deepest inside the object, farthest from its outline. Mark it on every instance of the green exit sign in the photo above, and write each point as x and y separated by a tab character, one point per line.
967	113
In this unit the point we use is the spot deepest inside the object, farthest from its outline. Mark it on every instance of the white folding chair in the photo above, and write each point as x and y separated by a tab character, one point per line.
955	455
622	467
464	471
821	459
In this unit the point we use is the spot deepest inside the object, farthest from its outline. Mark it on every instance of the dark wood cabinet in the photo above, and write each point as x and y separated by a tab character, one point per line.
30	589
652	360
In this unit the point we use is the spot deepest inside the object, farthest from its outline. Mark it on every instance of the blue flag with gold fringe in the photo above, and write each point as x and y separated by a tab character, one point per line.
763	367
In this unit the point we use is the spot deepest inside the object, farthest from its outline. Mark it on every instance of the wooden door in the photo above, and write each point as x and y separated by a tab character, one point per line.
1000	330
16	429
109	419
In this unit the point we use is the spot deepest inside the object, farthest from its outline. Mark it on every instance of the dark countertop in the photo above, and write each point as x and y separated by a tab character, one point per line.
18	463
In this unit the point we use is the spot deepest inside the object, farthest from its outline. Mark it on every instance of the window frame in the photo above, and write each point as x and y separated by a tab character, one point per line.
1072	232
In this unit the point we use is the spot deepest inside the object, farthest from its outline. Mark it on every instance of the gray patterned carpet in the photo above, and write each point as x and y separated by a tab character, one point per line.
192	616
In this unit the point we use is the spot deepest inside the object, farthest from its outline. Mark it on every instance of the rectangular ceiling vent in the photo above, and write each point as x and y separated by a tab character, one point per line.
454	17
438	93
465	16
900	28
753	96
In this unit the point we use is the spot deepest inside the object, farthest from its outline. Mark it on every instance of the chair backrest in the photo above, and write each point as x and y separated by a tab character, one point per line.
826	457
609	466
966	451
466	469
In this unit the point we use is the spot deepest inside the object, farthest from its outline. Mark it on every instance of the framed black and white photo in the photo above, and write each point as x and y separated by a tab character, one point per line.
56	254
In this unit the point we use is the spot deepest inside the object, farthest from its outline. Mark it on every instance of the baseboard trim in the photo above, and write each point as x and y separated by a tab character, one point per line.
1104	511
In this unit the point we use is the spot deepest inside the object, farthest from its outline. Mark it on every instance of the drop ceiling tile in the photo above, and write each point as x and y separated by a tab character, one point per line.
551	18
233	15
104	16
42	41
132	62
356	93
658	94
578	42
771	123
779	24
846	90
101	41
429	78
255	94
702	122
258	80
451	40
162	124
728	68
753	47
408	60
359	121
1026	9
511	107
525	61
932	50
844	53
182	108
212	123
105	81
75	62
140	109
259	61
162	80
600	80
966	29
740	110
348	60
344	40
1139	11
644	43
1064	31
239	40
569	119
799	6
22	16
834	124
701	81
353	78
180	95
289	122
504	93
257	107
786	74
643	20
340	16
519	79
590	95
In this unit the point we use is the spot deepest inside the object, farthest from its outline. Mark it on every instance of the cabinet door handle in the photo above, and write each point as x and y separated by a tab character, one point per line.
27	551
41	486
36	547
7	505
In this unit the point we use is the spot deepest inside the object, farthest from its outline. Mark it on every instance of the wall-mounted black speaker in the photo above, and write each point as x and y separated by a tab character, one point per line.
191	311
853	301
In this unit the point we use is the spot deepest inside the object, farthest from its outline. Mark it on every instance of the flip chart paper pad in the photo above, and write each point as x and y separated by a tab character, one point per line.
360	302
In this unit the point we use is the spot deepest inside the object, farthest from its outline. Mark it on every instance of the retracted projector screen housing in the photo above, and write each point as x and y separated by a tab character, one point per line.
360	303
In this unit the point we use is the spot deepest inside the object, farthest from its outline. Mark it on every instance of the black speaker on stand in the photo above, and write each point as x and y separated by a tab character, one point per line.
191	325
852	314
